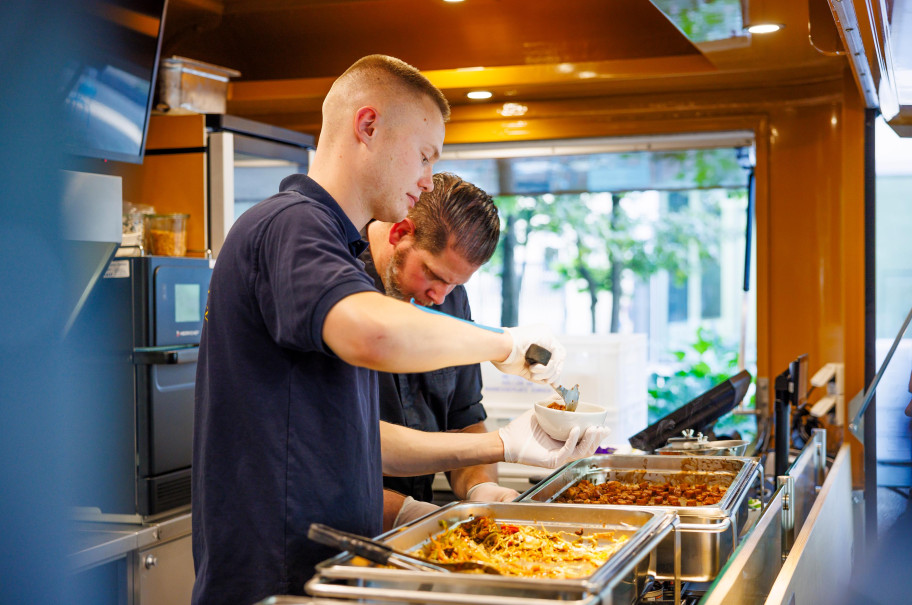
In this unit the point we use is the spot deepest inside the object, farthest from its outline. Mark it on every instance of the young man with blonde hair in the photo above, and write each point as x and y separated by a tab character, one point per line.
286	425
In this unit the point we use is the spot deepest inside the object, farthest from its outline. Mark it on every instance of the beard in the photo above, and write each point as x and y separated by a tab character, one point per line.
392	283
391	277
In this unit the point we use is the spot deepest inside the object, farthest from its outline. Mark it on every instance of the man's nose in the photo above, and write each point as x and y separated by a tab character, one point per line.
438	293
426	182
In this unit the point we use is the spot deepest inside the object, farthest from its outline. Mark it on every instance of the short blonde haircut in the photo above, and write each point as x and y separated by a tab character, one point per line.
385	72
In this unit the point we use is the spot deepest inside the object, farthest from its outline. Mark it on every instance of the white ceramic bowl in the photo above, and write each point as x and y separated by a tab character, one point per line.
557	423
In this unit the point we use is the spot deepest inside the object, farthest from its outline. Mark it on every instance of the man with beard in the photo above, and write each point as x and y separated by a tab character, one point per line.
449	233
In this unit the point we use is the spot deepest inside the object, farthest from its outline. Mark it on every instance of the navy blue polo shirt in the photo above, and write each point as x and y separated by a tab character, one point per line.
442	400
285	432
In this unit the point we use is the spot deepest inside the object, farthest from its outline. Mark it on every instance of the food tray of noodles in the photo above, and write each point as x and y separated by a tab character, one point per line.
544	552
708	493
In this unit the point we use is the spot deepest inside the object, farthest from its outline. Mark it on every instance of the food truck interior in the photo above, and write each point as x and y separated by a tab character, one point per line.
197	108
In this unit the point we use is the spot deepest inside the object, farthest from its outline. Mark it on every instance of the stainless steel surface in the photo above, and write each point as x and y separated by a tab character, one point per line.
820	562
570	396
709	534
99	542
787	485
169	580
619	580
807	474
753	567
756	563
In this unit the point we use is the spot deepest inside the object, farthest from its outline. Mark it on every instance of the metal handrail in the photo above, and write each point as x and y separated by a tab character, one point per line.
869	394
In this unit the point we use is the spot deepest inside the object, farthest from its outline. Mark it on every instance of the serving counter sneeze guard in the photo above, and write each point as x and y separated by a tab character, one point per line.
620	580
708	533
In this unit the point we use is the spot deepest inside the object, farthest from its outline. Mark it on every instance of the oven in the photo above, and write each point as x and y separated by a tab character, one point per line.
141	331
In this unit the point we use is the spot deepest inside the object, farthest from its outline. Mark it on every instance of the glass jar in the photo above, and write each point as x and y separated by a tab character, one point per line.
165	234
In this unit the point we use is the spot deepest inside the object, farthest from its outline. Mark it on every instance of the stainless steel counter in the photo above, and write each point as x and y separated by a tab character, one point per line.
99	542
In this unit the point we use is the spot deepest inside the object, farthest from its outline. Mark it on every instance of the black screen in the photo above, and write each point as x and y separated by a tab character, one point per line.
107	89
699	414
798	377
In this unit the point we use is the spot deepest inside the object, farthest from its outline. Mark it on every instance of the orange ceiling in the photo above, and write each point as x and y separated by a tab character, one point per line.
273	39
288	51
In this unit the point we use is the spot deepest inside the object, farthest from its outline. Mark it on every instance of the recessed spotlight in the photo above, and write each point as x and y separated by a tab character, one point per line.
765	28
480	94
454	1
510	110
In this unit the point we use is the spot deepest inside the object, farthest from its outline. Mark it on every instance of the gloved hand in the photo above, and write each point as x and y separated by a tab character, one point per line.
413	509
523	338
526	442
491	492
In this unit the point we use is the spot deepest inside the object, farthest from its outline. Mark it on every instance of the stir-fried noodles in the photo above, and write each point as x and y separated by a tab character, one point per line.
523	550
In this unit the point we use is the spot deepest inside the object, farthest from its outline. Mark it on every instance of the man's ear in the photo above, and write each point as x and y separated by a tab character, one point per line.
402	229
366	123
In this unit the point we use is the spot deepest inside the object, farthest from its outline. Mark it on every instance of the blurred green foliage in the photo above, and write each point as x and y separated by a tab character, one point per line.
704	363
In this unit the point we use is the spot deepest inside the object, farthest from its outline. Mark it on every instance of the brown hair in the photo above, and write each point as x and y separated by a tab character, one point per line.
458	214
403	73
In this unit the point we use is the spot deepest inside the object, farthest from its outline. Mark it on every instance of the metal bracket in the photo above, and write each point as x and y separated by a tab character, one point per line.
819	438
788	513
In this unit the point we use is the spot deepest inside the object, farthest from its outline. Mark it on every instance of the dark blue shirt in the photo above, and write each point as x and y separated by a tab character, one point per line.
442	400
285	432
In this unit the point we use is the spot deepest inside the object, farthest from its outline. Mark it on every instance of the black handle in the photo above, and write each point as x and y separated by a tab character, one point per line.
537	354
159	356
364	547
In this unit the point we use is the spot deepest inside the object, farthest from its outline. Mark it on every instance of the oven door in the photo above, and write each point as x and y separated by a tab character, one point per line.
165	379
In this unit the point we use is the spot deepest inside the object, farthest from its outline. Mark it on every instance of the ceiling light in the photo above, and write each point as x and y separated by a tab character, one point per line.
765	28
480	94
513	110
452	0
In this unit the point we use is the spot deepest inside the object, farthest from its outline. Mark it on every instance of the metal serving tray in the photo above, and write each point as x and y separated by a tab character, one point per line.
619	581
709	533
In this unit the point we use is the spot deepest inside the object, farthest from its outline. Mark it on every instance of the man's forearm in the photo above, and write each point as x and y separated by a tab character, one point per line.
392	503
461	479
407	452
371	330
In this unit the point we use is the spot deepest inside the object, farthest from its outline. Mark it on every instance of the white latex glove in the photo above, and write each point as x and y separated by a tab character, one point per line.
526	442
413	509
491	492
523	338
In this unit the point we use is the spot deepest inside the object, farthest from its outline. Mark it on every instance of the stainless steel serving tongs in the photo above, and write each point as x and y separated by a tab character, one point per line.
378	552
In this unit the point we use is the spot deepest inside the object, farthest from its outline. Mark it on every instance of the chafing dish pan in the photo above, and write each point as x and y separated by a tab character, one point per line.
709	533
619	580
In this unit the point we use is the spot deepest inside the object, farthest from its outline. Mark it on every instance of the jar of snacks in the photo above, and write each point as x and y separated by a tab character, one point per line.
165	234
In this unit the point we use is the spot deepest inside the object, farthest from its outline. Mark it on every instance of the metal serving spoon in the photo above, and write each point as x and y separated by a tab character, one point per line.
570	396
537	354
378	552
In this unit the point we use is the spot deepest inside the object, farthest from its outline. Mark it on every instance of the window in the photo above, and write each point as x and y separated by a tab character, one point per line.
638	236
